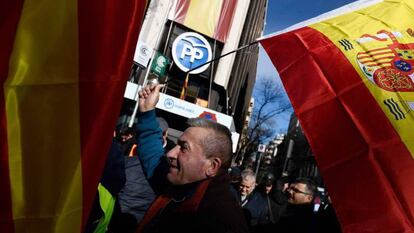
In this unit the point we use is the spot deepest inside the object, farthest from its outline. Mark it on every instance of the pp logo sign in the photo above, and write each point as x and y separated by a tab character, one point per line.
191	50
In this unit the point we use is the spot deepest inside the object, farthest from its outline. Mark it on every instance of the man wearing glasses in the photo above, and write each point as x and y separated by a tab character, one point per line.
301	192
299	216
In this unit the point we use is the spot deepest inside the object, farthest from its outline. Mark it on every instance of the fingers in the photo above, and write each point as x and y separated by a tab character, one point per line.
158	87
147	90
144	92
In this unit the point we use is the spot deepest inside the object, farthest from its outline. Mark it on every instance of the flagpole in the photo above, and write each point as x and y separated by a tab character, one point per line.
168	37
165	51
217	58
211	75
144	83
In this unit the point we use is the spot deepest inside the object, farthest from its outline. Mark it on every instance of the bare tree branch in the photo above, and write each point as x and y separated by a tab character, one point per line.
269	102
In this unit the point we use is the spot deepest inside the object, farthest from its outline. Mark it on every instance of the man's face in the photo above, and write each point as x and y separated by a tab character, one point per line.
246	186
298	194
187	161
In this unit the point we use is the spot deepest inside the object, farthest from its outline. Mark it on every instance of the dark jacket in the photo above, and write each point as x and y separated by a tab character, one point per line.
137	195
276	203
217	211
297	219
113	178
327	220
256	208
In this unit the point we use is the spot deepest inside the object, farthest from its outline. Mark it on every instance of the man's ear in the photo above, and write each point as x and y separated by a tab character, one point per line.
213	166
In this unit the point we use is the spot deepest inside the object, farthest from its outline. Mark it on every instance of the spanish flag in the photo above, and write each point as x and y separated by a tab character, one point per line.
212	18
63	70
350	77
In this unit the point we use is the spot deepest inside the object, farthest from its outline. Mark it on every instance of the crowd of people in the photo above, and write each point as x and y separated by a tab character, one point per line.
150	184
283	205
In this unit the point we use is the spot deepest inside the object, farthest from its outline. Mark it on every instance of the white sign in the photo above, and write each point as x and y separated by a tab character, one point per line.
191	50
131	91
186	109
142	54
261	148
190	110
181	107
235	140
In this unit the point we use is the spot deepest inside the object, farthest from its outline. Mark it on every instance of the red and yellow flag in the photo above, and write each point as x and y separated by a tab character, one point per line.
213	18
350	79
63	70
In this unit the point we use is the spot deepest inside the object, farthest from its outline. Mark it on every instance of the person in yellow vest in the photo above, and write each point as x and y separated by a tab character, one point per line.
111	182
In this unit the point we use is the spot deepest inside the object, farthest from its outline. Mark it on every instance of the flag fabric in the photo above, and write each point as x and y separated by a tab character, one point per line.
212	18
185	86
63	69
350	77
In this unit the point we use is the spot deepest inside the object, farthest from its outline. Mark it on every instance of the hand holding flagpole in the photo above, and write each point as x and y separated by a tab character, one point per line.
149	96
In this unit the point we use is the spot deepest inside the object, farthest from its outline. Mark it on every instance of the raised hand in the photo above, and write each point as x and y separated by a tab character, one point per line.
148	97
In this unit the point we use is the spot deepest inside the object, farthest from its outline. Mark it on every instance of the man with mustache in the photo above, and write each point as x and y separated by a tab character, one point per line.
191	181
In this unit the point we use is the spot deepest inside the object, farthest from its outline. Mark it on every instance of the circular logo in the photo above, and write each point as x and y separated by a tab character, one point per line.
169	103
145	51
161	61
191	50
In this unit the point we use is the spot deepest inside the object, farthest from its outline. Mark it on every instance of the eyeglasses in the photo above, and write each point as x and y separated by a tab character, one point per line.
298	191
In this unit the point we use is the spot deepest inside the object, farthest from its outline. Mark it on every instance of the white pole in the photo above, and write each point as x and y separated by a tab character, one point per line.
258	164
134	113
211	76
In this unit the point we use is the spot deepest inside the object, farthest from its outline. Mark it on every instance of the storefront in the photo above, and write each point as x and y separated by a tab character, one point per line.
182	110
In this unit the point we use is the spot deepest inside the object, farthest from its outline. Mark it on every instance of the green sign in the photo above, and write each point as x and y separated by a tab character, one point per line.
159	64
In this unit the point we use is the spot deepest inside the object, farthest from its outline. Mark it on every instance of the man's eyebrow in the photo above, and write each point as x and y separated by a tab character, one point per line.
182	142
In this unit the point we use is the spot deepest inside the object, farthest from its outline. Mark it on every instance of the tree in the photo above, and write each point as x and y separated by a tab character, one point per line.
270	102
